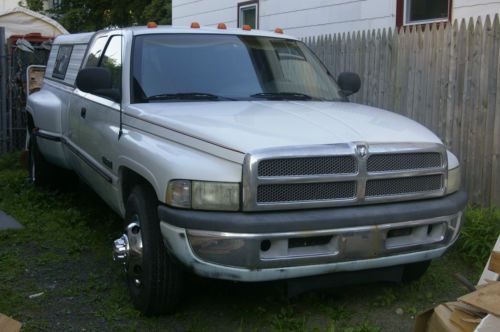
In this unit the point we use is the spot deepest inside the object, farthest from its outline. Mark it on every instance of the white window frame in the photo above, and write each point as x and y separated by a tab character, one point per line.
406	16
241	8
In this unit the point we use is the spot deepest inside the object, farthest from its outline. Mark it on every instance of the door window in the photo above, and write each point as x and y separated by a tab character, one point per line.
95	52
112	59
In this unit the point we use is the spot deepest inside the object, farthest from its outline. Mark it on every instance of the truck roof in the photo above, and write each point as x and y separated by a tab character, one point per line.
140	30
74	38
84	38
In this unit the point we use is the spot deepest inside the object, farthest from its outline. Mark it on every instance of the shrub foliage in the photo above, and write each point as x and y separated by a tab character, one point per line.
479	234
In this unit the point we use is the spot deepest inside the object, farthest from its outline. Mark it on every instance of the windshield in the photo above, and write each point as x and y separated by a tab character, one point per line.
227	67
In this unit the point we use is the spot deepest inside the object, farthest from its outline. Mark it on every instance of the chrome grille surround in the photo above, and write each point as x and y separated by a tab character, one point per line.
426	178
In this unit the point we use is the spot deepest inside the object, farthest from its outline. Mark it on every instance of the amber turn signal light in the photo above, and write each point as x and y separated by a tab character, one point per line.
246	27
152	25
195	25
279	30
222	26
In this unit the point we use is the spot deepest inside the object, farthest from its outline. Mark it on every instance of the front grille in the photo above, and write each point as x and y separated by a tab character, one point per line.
307	166
403	161
330	175
274	193
402	186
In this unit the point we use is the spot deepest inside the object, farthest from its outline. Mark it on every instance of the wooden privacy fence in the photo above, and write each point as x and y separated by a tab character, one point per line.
445	77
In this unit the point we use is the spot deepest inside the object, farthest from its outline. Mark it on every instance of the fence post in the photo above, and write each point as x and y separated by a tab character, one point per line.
3	93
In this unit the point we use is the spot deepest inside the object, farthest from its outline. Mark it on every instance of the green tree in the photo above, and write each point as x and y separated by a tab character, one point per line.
159	11
91	15
35	5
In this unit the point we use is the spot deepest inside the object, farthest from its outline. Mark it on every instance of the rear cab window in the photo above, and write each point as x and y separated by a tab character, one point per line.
62	61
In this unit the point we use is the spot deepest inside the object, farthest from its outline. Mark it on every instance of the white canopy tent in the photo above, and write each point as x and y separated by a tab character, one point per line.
21	21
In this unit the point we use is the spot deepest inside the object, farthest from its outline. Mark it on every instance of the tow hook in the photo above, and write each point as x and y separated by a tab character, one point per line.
121	250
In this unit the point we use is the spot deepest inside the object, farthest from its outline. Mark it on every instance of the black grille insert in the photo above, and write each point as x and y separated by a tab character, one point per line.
275	193
401	186
403	161
308	166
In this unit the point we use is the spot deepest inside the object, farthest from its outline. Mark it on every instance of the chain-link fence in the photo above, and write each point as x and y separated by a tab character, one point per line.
16	57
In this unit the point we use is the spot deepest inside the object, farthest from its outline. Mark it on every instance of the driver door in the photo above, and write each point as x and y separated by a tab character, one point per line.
94	120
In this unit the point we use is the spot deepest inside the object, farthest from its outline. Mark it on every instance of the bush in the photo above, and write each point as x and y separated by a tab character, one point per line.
479	234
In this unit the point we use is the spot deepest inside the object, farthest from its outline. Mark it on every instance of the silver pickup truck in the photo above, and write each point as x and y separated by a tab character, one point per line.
235	154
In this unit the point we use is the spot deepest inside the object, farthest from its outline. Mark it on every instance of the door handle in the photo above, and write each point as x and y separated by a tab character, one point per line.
83	112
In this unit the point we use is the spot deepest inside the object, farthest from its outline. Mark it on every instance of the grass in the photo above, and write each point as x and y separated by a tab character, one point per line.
64	253
479	234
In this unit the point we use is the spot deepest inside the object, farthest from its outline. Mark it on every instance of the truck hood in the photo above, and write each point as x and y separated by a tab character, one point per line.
249	125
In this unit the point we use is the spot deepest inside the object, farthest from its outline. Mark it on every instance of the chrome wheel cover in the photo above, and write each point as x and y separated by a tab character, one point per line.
128	250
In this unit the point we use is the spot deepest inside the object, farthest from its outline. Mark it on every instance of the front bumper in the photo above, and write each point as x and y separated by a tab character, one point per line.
281	245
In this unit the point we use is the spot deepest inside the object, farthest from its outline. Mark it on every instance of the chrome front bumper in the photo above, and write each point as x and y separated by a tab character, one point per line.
272	256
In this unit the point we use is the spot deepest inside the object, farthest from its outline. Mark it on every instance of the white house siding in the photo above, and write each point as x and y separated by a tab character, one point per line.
303	18
8	5
298	17
315	17
475	8
206	12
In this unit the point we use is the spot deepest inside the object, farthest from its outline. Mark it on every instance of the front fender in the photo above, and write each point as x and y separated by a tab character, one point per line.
159	160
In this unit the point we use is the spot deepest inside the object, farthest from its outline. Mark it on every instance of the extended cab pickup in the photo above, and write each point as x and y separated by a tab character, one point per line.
236	155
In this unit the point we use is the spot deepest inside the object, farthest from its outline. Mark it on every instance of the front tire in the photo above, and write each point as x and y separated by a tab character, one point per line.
154	278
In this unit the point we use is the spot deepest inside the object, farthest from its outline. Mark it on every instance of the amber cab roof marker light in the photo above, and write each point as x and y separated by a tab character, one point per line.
195	25
222	26
152	25
246	27
279	30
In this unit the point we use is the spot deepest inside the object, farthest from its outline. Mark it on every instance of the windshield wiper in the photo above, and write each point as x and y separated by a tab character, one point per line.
187	96
282	96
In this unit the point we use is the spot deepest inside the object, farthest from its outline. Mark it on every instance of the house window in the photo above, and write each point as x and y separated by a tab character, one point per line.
426	11
248	14
62	61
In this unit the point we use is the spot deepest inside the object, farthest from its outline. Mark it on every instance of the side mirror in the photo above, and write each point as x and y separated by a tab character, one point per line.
349	83
98	81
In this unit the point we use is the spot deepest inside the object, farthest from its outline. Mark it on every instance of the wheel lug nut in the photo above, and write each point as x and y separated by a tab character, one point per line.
120	249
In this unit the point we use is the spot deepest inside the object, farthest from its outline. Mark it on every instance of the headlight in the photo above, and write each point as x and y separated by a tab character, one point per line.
216	196
201	195
454	180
